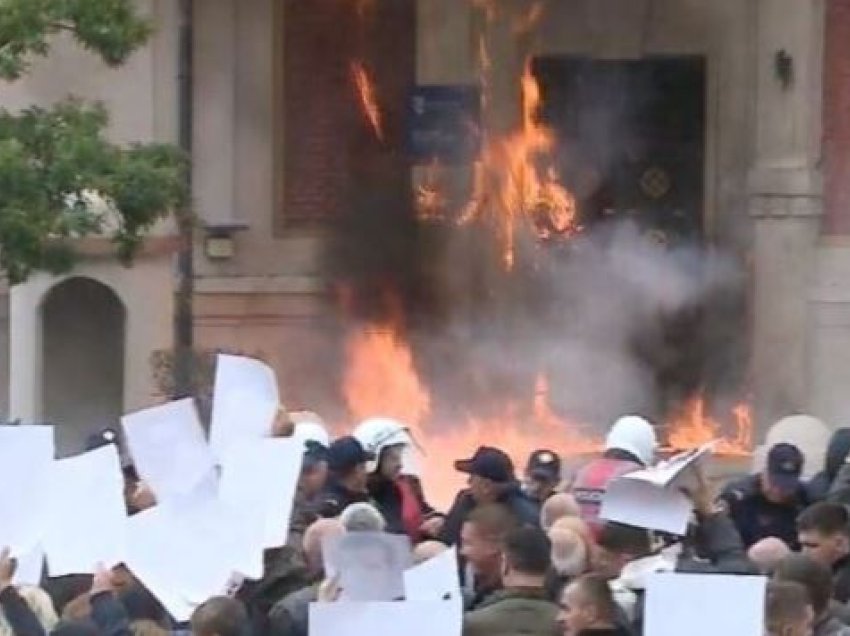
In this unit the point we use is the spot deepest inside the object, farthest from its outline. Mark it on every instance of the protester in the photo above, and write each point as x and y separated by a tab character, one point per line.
788	610
767	554
491	480
817	580
588	608
837	449
220	616
542	475
362	517
427	550
397	494
767	504
570	557
348	478
556	507
482	536
308	493
824	534
521	606
629	446
290	615
19	615
629	555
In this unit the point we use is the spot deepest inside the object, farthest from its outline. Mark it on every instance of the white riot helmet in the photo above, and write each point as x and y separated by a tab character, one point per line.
378	433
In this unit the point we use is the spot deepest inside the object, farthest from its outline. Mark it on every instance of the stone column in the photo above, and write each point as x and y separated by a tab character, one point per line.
785	199
830	336
214	140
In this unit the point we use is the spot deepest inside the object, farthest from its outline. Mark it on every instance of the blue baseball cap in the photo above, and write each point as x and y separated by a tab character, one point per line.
345	453
784	467
489	463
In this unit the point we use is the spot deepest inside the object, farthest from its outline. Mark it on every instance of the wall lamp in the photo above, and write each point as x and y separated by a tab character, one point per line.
219	242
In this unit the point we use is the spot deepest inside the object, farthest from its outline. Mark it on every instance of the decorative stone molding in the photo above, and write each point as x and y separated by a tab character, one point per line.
771	206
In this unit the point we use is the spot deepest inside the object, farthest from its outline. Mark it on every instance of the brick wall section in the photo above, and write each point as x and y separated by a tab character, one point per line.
836	118
327	140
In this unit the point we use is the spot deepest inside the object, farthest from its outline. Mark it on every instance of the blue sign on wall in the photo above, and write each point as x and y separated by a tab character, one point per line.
444	124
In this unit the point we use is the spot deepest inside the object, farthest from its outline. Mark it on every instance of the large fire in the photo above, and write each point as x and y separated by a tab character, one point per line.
381	380
516	191
516	185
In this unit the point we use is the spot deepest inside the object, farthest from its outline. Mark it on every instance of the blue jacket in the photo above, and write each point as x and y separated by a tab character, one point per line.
756	518
525	509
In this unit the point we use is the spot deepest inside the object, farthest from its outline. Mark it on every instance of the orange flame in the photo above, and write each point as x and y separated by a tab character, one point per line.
367	96
692	427
510	186
431	202
381	380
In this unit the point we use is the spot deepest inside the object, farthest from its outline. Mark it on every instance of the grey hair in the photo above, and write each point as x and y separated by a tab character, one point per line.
362	517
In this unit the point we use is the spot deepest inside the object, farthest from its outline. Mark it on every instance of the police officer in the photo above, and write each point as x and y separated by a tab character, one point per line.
348	476
767	504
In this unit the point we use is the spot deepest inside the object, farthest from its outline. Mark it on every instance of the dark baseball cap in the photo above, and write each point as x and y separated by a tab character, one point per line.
345	453
784	466
489	463
314	453
544	464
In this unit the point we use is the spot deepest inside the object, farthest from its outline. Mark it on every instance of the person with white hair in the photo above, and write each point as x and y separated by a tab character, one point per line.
362	517
630	446
393	485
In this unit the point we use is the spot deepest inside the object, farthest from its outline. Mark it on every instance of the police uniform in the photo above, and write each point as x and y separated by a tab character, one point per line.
754	515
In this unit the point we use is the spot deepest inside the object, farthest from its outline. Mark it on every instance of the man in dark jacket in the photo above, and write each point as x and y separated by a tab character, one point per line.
491	480
521	607
836	451
768	504
824	533
628	555
816	578
348	480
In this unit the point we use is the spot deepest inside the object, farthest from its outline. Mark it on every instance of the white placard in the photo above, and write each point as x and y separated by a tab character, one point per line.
245	401
704	605
370	565
436	579
168	448
260	475
87	518
26	462
644	505
184	555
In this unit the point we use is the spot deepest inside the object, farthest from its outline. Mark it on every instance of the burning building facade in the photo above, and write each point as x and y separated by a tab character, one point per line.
499	221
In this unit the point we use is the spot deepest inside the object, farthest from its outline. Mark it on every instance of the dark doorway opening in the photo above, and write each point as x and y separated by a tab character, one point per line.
631	138
83	324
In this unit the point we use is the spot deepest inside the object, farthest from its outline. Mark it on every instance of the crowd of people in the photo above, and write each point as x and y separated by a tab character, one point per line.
535	556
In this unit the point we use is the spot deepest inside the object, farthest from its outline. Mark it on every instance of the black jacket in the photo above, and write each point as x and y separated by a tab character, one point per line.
19	615
839	492
337	498
386	495
714	548
524	509
757	518
836	451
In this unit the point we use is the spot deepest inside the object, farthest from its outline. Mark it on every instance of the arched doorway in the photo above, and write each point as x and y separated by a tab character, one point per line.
83	325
